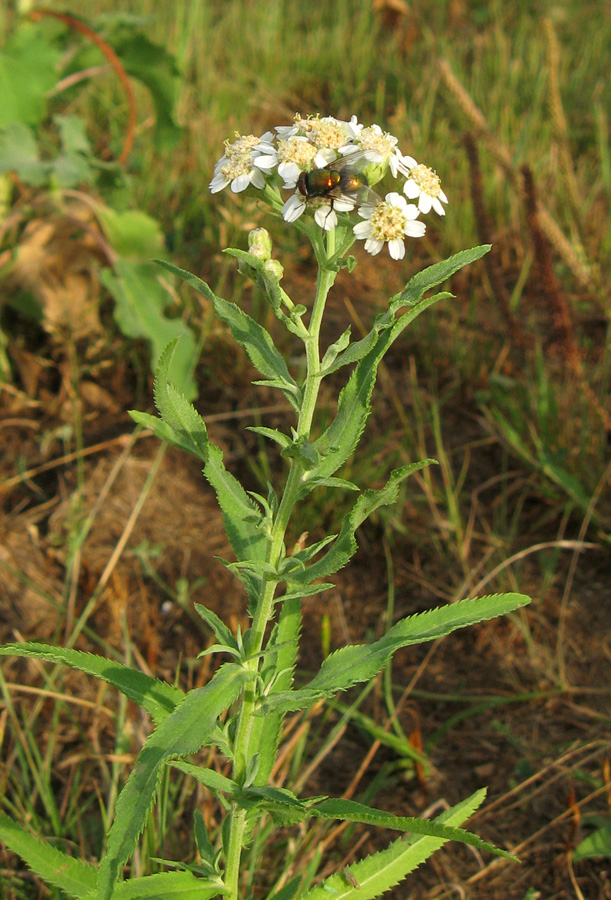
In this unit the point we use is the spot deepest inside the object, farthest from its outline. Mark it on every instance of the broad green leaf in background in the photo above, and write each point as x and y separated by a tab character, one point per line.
28	71
156	68
598	844
19	153
140	301
132	233
156	697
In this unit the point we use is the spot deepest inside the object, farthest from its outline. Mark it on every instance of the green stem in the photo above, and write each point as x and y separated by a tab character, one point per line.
265	607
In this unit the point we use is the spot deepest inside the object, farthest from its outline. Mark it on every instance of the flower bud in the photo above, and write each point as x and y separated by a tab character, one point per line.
274	268
260	244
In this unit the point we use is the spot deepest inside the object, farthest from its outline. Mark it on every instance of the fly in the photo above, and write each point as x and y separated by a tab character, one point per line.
341	181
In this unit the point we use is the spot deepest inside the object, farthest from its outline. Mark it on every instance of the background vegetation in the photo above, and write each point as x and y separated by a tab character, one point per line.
107	541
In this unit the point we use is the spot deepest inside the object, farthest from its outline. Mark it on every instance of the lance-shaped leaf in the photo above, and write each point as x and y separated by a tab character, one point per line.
409	296
346	546
338	442
167	886
249	334
156	697
73	876
381	871
181	733
241	516
360	662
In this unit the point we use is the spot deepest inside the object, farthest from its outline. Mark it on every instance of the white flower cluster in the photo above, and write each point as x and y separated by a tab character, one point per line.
331	166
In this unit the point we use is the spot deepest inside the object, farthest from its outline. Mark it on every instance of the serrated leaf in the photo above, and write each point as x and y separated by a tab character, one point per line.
73	876
346	546
336	348
332	481
214	781
361	662
351	811
167	886
156	697
241	516
249	334
381	871
140	301
163	431
306	591
267	729
216	624
271	434
438	273
338	442
180	734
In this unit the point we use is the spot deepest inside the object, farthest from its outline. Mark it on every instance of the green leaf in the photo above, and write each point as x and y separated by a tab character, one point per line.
351	811
221	631
438	273
167	886
203	842
163	431
134	235
338	442
140	300
156	68
214	781
73	876
595	845
381	871
340	439
157	698
346	546
181	733
19	154
360	662
28	71
241	516
271	434
249	334
267	729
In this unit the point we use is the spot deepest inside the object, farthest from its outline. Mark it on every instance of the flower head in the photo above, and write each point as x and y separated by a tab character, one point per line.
243	162
390	222
425	184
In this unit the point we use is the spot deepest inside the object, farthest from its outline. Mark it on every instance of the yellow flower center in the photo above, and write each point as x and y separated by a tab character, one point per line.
242	146
387	222
382	143
296	151
428	181
323	134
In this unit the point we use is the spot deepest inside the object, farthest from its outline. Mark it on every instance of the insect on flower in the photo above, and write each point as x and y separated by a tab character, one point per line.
343	182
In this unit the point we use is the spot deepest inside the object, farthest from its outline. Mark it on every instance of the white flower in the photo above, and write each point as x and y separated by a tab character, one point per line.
296	155
324	212
389	222
425	184
243	162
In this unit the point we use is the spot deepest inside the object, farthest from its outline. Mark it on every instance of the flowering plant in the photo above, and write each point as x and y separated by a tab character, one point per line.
331	168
